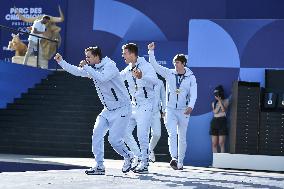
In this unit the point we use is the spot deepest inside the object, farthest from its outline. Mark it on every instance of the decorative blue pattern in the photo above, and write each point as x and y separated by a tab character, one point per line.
209	45
222	51
125	21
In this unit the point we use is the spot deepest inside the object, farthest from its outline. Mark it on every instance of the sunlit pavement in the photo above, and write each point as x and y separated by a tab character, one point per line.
28	172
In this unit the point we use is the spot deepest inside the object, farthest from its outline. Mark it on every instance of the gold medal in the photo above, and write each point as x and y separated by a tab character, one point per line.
177	91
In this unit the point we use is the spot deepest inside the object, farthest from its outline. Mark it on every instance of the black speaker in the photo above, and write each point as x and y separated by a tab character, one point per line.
244	118
270	100
280	103
274	79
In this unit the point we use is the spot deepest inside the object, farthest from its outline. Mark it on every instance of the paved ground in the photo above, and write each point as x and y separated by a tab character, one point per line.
159	176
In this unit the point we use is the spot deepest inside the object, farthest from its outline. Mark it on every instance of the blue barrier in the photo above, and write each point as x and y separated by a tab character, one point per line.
16	79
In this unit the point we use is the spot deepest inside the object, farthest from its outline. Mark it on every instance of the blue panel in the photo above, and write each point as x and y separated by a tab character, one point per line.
207	79
172	16
259	41
199	151
124	21
80	32
143	29
253	75
210	45
117	22
241	30
16	79
255	9
265	48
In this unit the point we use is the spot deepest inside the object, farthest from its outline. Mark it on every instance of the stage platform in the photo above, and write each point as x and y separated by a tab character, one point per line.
248	162
36	172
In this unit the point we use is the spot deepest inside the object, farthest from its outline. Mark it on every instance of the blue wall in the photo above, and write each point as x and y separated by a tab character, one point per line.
254	9
87	27
131	21
16	79
84	27
220	52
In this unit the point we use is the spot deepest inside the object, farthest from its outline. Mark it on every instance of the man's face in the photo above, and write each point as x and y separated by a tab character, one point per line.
45	21
128	57
178	65
91	59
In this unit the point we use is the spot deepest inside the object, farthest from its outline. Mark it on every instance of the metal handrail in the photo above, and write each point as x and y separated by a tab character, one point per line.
27	33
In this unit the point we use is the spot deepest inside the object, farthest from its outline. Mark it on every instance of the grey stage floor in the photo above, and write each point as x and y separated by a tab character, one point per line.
36	172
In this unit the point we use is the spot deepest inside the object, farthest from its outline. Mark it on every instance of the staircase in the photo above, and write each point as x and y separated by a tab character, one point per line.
56	118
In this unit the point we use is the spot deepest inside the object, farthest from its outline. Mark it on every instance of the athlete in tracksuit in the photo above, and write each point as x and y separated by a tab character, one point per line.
117	108
141	78
158	106
181	89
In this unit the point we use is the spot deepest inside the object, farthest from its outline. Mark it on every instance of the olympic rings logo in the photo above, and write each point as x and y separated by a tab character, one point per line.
23	29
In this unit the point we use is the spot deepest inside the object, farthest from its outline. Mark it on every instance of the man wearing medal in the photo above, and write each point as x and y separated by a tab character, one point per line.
181	90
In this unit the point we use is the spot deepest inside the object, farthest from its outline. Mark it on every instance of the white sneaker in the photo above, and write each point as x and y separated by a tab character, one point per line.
127	164
96	171
152	156
141	168
135	162
180	166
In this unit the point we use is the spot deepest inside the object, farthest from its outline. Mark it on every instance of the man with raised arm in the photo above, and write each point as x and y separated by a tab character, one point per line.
181	90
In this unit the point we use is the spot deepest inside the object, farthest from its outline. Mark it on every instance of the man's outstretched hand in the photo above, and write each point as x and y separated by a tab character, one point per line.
151	46
83	63
137	73
58	57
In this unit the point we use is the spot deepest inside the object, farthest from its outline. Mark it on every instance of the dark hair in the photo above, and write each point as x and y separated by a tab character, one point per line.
219	91
181	58
46	17
132	48
96	51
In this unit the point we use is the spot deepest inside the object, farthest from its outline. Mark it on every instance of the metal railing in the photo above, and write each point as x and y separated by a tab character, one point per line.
27	33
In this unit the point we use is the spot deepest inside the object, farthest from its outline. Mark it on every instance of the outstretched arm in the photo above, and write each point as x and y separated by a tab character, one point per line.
74	70
107	74
163	71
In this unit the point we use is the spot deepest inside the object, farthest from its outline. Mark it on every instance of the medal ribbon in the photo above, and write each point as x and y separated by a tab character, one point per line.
178	81
134	79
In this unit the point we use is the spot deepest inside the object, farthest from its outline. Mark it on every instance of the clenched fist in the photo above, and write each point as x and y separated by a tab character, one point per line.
151	46
58	57
83	63
137	73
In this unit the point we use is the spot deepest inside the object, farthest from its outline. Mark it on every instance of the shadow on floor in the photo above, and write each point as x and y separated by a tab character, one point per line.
21	167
